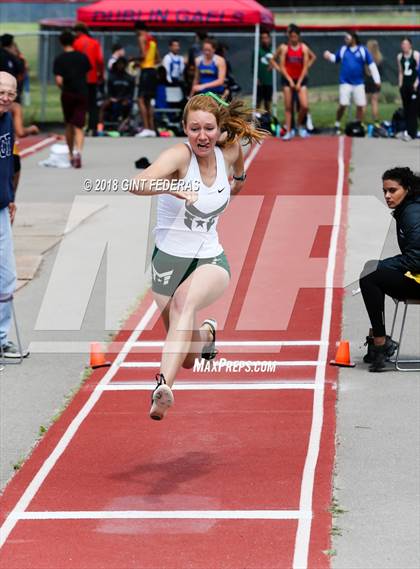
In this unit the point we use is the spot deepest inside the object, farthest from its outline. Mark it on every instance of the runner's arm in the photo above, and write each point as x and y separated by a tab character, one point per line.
416	56
274	60
165	167
373	68
234	157
305	65
311	57
283	70
59	81
196	76
400	73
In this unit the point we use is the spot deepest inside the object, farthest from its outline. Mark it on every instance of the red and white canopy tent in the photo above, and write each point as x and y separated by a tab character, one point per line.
181	14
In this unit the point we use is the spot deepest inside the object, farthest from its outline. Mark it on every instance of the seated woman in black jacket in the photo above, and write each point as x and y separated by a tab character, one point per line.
399	276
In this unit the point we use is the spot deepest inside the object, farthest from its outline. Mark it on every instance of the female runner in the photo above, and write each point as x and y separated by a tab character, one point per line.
189	267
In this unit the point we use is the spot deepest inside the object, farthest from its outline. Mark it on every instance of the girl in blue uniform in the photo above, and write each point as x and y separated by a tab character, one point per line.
210	73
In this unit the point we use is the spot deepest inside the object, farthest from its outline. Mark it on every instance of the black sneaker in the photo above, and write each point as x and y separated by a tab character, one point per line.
10	350
209	351
162	398
379	359
390	348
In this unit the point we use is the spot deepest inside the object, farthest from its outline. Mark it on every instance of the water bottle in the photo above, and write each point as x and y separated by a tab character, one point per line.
370	130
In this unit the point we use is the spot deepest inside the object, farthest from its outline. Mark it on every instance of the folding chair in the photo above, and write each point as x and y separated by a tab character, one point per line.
398	361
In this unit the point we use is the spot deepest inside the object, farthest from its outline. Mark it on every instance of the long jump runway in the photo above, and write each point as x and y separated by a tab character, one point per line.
239	474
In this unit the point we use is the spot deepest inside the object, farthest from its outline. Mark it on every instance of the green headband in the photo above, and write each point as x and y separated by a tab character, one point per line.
216	98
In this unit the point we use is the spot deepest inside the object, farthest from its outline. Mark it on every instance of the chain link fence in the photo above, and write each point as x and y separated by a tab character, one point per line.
41	49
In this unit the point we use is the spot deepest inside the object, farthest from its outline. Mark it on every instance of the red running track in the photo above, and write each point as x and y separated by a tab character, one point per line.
239	474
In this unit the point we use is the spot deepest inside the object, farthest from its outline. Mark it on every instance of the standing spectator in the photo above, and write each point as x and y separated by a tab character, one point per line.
149	58
371	88
265	72
210	71
174	65
8	93
10	61
197	47
293	64
120	90
232	88
117	51
408	82
70	69
20	131
92	49
353	58
189	76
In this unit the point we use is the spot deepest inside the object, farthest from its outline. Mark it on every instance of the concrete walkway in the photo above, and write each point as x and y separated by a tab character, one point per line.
32	394
377	479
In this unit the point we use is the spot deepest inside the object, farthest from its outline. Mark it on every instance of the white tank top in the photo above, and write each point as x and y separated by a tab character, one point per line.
190	230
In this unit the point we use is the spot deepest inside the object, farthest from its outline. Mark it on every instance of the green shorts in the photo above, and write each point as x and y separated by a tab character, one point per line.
168	271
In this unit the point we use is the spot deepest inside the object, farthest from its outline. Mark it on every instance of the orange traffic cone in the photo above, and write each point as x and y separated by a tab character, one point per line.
342	357
97	357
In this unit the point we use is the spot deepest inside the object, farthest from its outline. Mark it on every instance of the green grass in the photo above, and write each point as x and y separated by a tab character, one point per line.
323	102
348	19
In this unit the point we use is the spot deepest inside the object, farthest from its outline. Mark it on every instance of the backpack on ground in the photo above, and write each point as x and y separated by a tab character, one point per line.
355	128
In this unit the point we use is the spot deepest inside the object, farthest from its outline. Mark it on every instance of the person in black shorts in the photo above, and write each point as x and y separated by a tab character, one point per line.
149	58
408	81
399	276
70	69
372	89
265	72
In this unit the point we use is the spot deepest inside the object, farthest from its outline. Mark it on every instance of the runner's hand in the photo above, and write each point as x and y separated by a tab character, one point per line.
188	195
236	187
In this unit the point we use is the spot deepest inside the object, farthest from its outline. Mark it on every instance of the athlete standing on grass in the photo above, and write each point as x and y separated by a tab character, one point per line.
293	64
189	267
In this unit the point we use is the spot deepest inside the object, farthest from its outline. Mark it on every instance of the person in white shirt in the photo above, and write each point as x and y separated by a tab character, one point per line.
174	65
189	267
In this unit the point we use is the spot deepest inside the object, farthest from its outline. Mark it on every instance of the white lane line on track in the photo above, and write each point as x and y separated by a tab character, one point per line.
277	363
49	463
303	534
62	444
250	343
72	347
250	157
167	515
258	386
37	146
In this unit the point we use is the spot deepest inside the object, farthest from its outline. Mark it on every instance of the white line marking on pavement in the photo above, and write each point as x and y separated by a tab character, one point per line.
73	347
277	363
37	146
303	534
250	343
63	443
260	386
166	514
